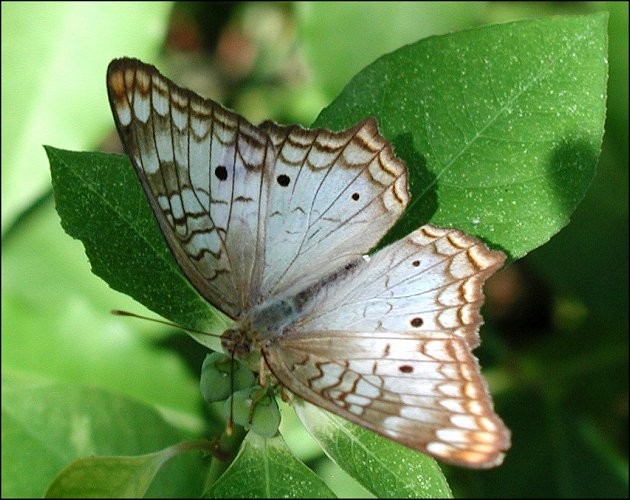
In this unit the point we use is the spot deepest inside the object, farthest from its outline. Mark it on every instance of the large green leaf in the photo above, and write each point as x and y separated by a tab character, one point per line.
116	476
107	477
46	426
500	126
387	469
266	468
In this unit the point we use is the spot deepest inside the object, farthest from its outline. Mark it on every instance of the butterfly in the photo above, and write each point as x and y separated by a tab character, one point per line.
272	225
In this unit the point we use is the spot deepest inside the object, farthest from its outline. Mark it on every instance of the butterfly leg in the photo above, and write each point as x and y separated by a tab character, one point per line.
266	377
286	396
262	373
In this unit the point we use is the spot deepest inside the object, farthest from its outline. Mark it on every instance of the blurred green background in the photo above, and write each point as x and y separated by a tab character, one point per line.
555	343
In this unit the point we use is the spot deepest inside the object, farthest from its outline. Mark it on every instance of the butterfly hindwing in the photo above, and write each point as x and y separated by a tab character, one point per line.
430	280
389	347
424	392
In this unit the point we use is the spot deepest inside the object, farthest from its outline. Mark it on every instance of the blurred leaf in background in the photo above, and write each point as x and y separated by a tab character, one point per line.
52	59
554	346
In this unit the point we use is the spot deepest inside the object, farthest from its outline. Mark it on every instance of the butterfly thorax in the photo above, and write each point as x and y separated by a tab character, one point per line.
259	325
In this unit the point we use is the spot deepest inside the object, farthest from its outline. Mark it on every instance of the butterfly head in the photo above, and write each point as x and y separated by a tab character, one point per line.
238	341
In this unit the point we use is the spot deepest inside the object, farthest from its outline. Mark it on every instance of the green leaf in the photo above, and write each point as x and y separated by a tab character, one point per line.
100	202
387	469
500	126
266	468
115	477
47	426
108	477
56	58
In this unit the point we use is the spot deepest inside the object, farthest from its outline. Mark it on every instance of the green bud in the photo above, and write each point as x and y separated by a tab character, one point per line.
255	409
216	373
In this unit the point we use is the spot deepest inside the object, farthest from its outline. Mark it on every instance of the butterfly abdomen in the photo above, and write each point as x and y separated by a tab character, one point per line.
302	299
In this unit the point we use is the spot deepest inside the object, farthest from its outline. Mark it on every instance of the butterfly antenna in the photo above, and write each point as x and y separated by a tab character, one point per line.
117	312
230	425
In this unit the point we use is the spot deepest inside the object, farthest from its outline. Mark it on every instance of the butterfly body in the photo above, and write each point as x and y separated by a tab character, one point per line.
271	224
258	327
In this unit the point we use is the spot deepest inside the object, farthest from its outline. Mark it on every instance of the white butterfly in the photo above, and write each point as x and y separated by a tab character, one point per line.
271	225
